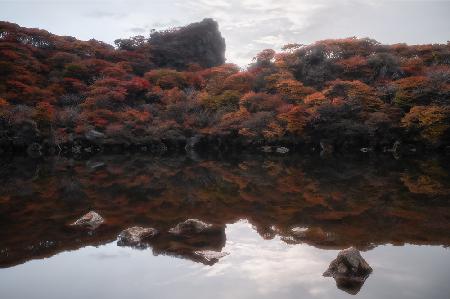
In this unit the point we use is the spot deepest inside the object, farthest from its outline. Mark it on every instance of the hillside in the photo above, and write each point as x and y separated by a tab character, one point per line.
172	90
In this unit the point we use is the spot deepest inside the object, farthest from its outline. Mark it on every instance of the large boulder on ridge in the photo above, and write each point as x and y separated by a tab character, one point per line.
197	43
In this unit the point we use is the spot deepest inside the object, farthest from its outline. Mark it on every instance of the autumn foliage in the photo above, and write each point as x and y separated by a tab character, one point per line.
346	92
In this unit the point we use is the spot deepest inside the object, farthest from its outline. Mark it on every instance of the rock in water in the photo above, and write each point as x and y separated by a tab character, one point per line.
349	270
134	236
191	226
209	257
349	262
91	220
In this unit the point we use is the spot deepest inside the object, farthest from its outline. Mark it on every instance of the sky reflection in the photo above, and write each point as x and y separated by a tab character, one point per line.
255	268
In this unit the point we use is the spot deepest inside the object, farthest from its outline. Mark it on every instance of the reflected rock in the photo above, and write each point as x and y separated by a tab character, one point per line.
135	236
312	235
209	257
91	220
350	270
192	226
194	240
349	285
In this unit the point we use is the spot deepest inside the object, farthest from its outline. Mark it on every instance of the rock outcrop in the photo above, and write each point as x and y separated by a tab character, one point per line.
350	270
90	220
198	43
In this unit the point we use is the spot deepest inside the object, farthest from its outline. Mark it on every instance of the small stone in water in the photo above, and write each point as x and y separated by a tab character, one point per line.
134	236
91	219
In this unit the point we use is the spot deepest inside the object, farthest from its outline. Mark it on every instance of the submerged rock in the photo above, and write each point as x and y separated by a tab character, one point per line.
209	257
91	220
192	226
134	236
350	270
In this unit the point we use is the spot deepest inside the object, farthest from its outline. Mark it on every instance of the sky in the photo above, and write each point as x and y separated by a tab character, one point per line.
247	25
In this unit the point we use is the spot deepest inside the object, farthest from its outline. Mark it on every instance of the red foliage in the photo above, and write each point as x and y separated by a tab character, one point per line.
332	89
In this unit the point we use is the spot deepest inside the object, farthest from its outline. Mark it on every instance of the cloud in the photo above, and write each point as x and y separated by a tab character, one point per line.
273	40
106	14
138	30
248	26
271	267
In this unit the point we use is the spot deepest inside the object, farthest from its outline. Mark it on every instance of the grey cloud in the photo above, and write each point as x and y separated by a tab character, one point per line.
105	14
247	25
138	30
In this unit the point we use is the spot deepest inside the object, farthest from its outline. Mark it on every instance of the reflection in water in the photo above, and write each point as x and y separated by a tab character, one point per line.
255	268
327	204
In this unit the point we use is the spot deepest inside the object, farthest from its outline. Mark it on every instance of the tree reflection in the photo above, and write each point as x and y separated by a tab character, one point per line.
328	203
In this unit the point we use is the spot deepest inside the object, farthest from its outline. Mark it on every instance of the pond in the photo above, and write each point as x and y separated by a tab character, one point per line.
280	222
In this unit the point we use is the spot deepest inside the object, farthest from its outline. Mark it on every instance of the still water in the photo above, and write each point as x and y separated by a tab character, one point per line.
397	212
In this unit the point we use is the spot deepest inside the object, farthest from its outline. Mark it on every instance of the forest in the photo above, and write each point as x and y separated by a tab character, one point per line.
173	91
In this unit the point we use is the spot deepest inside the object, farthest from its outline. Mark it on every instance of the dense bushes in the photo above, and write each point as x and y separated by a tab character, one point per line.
349	93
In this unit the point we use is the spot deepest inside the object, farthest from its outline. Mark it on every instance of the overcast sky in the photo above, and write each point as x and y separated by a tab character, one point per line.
247	25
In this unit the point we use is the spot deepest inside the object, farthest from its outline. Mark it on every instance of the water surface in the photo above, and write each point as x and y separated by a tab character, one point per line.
397	212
